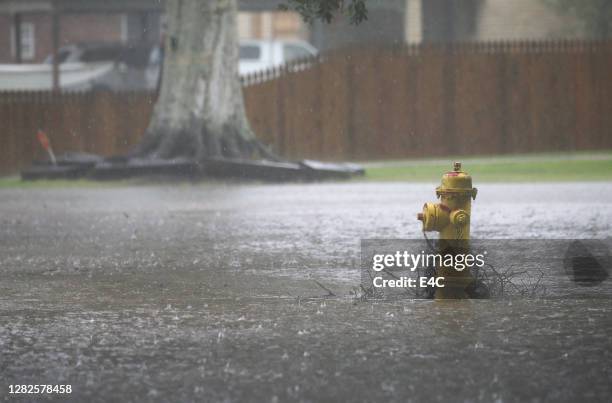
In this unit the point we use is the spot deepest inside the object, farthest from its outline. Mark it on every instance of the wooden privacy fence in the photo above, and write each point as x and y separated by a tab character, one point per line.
437	100
99	122
371	103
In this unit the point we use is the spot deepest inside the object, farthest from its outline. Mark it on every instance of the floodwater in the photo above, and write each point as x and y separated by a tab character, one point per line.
207	293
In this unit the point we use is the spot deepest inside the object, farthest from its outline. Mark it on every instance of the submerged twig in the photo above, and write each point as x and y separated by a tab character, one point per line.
330	293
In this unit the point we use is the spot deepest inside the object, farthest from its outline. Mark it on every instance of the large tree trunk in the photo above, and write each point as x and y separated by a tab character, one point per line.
200	111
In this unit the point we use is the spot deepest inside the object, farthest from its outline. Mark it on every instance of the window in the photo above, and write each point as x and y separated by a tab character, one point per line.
27	40
293	52
249	52
62	56
101	54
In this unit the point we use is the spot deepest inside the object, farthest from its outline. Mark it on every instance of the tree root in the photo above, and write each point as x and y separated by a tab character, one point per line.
184	144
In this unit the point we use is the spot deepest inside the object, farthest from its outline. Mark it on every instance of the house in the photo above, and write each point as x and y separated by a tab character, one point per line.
524	19
441	21
26	26
117	21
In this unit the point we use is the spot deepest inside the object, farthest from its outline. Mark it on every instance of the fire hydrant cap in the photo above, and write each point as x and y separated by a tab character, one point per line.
457	182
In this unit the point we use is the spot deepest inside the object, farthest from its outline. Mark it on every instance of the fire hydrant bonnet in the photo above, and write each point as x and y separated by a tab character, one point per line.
456	183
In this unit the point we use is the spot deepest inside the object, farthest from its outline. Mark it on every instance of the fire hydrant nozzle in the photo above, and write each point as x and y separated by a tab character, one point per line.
451	218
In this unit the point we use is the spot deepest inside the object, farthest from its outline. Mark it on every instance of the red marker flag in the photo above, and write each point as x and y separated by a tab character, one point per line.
43	139
46	144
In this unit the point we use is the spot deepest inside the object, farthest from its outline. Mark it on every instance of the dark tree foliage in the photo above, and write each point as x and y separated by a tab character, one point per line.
327	10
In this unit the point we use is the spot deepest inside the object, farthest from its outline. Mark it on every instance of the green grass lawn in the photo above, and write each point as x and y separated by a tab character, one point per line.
16	182
512	168
519	168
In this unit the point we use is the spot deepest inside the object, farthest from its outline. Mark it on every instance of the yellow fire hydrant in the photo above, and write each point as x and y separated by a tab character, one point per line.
451	218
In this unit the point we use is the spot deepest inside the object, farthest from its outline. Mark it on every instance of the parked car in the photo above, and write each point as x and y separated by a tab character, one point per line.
256	55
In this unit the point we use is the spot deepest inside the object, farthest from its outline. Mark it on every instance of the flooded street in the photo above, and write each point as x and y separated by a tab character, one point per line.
208	293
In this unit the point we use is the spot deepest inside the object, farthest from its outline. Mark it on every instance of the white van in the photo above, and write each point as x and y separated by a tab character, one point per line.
258	55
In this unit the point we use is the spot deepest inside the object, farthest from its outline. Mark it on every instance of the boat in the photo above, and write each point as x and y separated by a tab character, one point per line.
39	77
